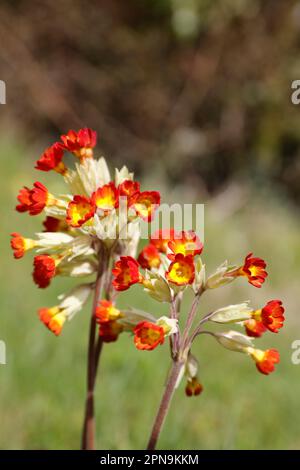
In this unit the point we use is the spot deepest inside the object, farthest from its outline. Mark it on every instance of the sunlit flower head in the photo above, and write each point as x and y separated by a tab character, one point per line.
80	143
146	203
147	335
106	197
255	270
126	272
272	315
80	210
188	244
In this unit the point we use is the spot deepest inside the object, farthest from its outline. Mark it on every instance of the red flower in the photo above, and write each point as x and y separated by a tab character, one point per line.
254	328
181	271
106	197
52	159
106	312
149	257
254	269
80	143
126	272
129	189
161	238
193	387
80	210
265	360
147	335
272	315
188	244
146	203
44	270
34	200
20	245
109	331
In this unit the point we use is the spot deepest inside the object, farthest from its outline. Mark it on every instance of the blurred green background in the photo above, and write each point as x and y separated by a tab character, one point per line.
195	97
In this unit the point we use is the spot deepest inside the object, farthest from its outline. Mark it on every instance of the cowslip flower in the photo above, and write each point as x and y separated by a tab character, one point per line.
51	159
110	331
52	224
129	189
254	328
45	269
149	257
80	210
149	335
80	143
270	317
181	271
187	244
106	197
193	387
253	268
126	272
106	311
55	317
265	360
146	203
20	245
36	199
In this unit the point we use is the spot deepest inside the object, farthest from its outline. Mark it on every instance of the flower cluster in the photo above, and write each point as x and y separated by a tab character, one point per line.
171	264
98	214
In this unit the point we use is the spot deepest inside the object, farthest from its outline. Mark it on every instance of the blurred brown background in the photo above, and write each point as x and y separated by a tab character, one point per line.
198	91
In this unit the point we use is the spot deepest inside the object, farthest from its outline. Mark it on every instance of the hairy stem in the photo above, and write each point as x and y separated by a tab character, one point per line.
88	434
164	404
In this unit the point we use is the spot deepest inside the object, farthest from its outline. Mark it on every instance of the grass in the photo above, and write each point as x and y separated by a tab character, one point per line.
42	387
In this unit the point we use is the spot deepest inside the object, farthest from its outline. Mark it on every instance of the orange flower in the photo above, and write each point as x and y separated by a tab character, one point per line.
35	200
181	271
106	197
44	269
193	387
129	189
109	331
146	203
149	257
80	210
52	159
126	272
52	224
161	238
254	269
265	360
272	315
24	200
106	312
188	244
147	335
53	319
80	143
254	328
20	244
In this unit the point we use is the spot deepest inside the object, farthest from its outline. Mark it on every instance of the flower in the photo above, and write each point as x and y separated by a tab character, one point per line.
272	315
254	328
20	244
71	303
188	244
44	269
35	200
129	189
80	143
254	269
146	203
193	387
106	197
109	331
126	272
149	257
147	335
265	360
53	319
106	311
161	238
52	159
181	271
80	210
